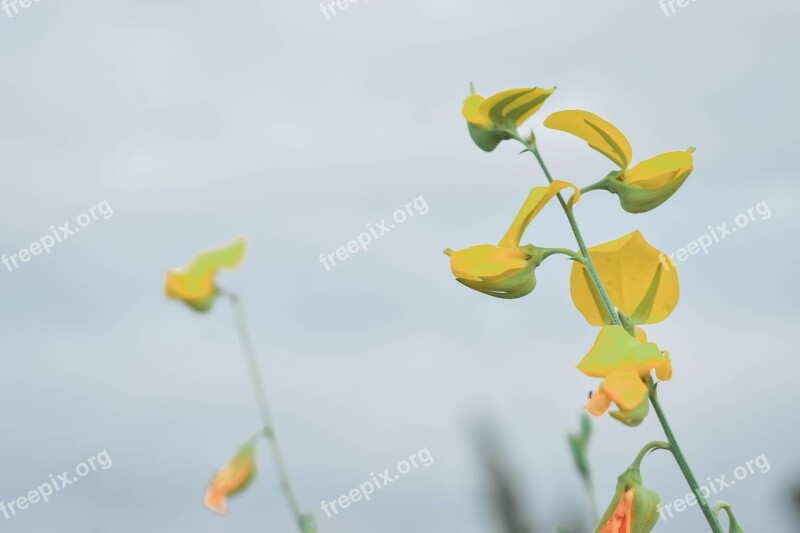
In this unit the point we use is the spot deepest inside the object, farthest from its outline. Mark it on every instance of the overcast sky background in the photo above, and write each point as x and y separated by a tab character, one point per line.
199	121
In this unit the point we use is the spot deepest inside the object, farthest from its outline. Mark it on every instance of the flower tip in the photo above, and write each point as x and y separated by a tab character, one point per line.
471	88
214	501
691	149
448	252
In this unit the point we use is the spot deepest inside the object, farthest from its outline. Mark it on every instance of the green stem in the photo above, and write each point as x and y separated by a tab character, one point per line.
676	451
602	184
589	487
547	252
733	524
649	447
263	408
588	263
681	460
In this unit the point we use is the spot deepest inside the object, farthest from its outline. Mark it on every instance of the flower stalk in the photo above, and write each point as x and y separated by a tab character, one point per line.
304	521
615	319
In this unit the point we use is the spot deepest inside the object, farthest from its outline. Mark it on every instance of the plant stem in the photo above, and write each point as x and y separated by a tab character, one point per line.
733	523
589	264
547	252
263	407
681	460
589	486
649	447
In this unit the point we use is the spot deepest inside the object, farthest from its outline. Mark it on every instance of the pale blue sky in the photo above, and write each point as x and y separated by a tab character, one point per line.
199	121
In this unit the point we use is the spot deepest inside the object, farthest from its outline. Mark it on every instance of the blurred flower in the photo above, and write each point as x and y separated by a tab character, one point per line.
625	364
641	188
634	276
507	270
492	120
195	285
233	477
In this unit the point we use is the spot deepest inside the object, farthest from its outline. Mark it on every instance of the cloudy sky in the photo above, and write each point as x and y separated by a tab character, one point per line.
194	122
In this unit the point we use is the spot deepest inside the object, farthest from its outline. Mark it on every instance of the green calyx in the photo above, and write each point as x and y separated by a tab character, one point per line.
633	417
632	499
638	200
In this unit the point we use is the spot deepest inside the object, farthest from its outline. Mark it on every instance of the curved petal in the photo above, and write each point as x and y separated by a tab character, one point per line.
615	350
636	278
598	132
195	283
486	262
625	388
664	369
537	199
471	110
494	107
598	403
660	170
523	107
233	477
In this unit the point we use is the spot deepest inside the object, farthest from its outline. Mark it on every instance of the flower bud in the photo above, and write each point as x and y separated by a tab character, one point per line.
232	478
503	272
494	119
652	182
634	509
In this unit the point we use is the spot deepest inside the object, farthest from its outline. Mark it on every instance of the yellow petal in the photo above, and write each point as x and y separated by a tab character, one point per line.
471	110
195	284
599	133
233	477
614	350
486	262
625	388
660	170
523	107
537	199
634	275
598	403
664	370
494	107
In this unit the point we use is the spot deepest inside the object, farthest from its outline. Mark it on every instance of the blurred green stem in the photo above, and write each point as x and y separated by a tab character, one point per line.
589	264
263	409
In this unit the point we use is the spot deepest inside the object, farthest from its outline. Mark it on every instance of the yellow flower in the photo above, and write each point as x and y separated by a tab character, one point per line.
233	477
641	188
636	278
491	120
507	269
195	285
625	363
633	509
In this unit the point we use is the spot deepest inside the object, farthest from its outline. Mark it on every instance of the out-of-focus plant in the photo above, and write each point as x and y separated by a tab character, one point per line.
196	286
579	446
617	286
